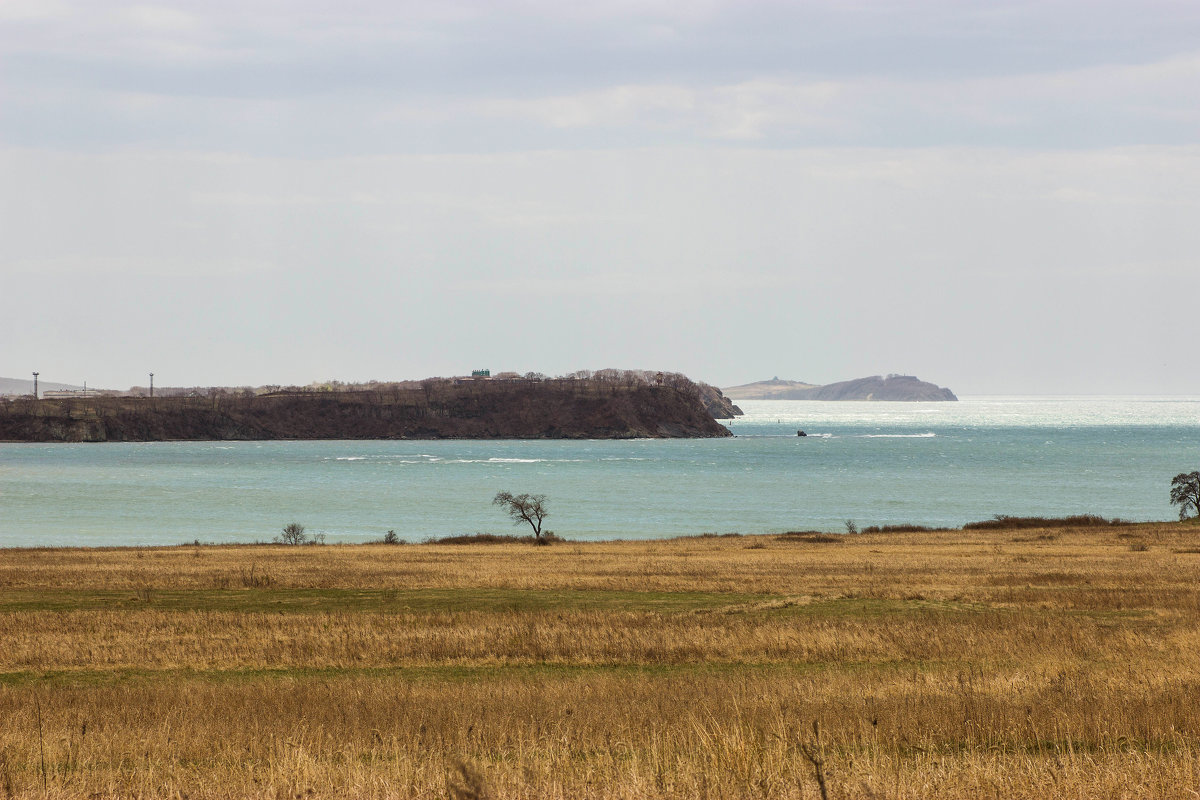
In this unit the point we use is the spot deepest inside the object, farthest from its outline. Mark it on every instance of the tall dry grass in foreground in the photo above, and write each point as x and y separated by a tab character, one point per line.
1045	663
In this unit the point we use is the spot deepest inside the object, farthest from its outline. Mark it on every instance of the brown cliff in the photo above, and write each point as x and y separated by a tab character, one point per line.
720	406
432	409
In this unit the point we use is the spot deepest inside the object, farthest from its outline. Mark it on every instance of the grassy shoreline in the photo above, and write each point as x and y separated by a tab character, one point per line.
1054	661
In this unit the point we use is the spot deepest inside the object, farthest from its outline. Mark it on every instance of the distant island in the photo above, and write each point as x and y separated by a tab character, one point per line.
905	388
607	404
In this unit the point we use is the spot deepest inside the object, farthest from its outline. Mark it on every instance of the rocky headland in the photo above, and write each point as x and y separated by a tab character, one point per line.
617	405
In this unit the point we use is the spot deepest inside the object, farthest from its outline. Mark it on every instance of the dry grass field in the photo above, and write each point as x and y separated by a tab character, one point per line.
1012	663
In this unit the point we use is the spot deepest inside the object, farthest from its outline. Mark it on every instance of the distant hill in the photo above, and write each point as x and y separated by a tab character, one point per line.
19	386
905	388
774	389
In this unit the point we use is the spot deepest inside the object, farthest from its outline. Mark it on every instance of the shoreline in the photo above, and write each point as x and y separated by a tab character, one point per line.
487	541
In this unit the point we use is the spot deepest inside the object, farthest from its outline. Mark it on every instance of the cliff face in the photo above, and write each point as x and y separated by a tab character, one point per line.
438	409
720	406
893	388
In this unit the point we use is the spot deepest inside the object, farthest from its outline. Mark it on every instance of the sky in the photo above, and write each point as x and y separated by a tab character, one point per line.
999	197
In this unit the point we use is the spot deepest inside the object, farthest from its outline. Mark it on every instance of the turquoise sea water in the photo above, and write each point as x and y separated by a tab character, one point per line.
874	463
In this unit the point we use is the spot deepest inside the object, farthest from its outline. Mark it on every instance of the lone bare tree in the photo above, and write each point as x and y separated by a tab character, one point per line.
293	533
530	508
1185	493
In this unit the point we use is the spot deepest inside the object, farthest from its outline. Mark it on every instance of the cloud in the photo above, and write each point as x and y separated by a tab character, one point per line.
161	18
380	77
1097	106
16	11
745	111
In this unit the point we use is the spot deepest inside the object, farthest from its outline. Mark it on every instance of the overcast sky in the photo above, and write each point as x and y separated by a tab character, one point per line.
999	197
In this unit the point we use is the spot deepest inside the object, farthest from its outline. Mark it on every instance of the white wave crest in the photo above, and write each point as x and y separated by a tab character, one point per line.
929	435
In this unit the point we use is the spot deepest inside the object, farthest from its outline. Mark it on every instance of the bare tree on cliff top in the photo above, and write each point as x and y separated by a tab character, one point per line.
1185	493
529	508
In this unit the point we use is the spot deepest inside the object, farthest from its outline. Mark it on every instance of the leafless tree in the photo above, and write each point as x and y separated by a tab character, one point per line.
1185	493
529	508
292	533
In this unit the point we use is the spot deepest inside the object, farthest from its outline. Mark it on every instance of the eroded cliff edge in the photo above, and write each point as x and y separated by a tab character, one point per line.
433	409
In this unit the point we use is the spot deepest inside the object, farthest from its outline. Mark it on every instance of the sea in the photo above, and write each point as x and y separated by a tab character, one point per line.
860	463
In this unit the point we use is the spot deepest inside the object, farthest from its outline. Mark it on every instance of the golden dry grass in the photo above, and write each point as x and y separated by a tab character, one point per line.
1033	663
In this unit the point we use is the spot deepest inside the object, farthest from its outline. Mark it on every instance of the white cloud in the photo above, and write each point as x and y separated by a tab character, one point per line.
1112	105
743	111
618	105
1113	97
34	10
161	18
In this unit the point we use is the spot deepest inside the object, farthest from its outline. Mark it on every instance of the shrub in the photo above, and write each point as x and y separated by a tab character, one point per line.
494	538
816	537
1003	521
904	528
477	538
